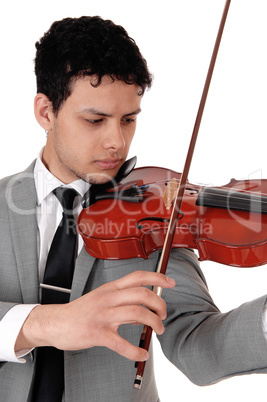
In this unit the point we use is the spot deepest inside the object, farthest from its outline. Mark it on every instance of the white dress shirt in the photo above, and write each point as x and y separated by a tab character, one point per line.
49	215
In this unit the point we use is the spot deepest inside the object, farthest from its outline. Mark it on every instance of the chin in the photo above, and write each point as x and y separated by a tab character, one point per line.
98	178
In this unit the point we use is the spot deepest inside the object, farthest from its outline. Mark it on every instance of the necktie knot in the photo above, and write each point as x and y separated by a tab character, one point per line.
66	198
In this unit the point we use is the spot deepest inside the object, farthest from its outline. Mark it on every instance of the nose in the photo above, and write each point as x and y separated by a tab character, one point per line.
114	138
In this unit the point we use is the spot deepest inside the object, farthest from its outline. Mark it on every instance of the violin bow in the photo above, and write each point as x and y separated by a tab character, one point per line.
164	257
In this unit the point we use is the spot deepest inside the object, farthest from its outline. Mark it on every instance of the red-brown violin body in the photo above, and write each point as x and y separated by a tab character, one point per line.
225	224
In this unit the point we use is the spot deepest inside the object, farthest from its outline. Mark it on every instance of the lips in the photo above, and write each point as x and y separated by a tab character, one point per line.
108	164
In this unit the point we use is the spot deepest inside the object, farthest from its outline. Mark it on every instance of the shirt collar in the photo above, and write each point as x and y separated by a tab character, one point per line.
46	182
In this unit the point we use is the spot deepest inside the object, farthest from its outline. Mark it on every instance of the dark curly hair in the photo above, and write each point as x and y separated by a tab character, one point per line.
76	47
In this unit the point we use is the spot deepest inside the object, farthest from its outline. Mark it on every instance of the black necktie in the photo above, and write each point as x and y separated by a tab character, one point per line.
48	383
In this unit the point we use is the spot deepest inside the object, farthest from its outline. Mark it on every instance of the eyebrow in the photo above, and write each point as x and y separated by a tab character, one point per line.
99	113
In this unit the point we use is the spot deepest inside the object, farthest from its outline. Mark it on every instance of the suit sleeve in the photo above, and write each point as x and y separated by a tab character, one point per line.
10	326
205	344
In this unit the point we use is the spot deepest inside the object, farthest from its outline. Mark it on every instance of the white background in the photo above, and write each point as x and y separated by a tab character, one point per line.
176	37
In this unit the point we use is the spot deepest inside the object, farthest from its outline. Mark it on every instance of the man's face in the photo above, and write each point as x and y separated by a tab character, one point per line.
91	135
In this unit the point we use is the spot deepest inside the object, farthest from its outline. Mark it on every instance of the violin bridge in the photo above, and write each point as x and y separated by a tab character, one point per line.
170	193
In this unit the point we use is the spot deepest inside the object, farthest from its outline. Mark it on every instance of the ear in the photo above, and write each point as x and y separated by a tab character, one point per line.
43	111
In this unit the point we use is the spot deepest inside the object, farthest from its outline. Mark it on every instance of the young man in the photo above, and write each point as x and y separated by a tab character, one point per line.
90	81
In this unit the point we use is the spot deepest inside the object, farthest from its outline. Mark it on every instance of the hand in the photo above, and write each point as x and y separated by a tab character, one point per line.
93	319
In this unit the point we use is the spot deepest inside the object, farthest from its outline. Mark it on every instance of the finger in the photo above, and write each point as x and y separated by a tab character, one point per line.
144	278
139	296
124	348
137	315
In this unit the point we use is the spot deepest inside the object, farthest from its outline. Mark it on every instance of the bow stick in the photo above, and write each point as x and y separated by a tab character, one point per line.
164	257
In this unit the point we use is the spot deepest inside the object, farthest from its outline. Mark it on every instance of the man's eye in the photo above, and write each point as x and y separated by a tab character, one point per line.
129	120
94	121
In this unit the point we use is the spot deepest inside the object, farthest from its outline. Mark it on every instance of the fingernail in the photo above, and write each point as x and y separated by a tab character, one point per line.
146	356
170	280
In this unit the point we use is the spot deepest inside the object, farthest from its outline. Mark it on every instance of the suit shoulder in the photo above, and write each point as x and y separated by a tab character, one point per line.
10	183
16	177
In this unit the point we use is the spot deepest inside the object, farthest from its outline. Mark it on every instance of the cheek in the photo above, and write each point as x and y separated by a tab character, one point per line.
129	135
75	140
68	145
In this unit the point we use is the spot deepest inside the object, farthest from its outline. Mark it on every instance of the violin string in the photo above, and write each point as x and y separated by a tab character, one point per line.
236	196
231	191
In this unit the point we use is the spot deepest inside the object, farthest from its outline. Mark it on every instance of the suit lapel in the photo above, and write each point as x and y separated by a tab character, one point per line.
83	267
21	198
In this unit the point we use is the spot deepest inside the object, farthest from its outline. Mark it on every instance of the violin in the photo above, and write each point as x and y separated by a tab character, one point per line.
226	224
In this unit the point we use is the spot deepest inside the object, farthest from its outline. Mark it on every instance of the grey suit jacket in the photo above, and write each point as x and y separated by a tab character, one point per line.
203	343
